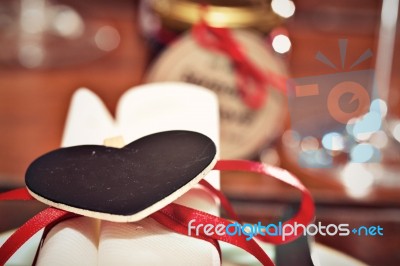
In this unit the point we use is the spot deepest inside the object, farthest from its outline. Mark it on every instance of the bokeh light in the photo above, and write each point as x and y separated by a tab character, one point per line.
284	8
281	44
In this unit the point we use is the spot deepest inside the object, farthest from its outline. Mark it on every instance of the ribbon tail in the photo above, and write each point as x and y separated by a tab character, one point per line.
16	194
47	217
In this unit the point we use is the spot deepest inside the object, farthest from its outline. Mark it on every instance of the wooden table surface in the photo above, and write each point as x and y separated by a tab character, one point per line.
33	106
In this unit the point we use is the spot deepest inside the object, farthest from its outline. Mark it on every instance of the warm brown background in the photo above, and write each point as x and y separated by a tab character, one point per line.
33	106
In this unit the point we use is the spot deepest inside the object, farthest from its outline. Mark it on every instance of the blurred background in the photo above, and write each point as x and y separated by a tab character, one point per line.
48	49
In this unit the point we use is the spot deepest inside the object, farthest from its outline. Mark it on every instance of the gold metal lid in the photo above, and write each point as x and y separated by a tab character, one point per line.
182	14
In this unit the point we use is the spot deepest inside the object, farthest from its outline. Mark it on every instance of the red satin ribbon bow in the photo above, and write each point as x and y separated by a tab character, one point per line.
177	217
252	81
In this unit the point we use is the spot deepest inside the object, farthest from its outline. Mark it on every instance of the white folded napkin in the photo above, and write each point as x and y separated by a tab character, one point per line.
72	242
148	243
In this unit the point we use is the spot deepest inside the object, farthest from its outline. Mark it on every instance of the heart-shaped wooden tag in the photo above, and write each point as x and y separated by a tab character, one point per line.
122	185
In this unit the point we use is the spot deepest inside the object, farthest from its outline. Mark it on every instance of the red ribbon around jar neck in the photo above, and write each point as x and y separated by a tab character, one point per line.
177	217
252	82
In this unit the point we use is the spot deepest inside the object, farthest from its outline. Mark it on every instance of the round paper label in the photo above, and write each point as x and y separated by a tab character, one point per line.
244	131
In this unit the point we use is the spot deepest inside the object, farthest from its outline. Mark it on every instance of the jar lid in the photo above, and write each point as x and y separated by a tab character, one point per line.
182	14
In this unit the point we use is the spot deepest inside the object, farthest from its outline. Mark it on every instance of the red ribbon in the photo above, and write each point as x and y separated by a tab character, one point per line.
177	217
16	194
252	82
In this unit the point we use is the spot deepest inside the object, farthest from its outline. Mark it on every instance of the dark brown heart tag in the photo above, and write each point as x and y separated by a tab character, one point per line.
126	184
